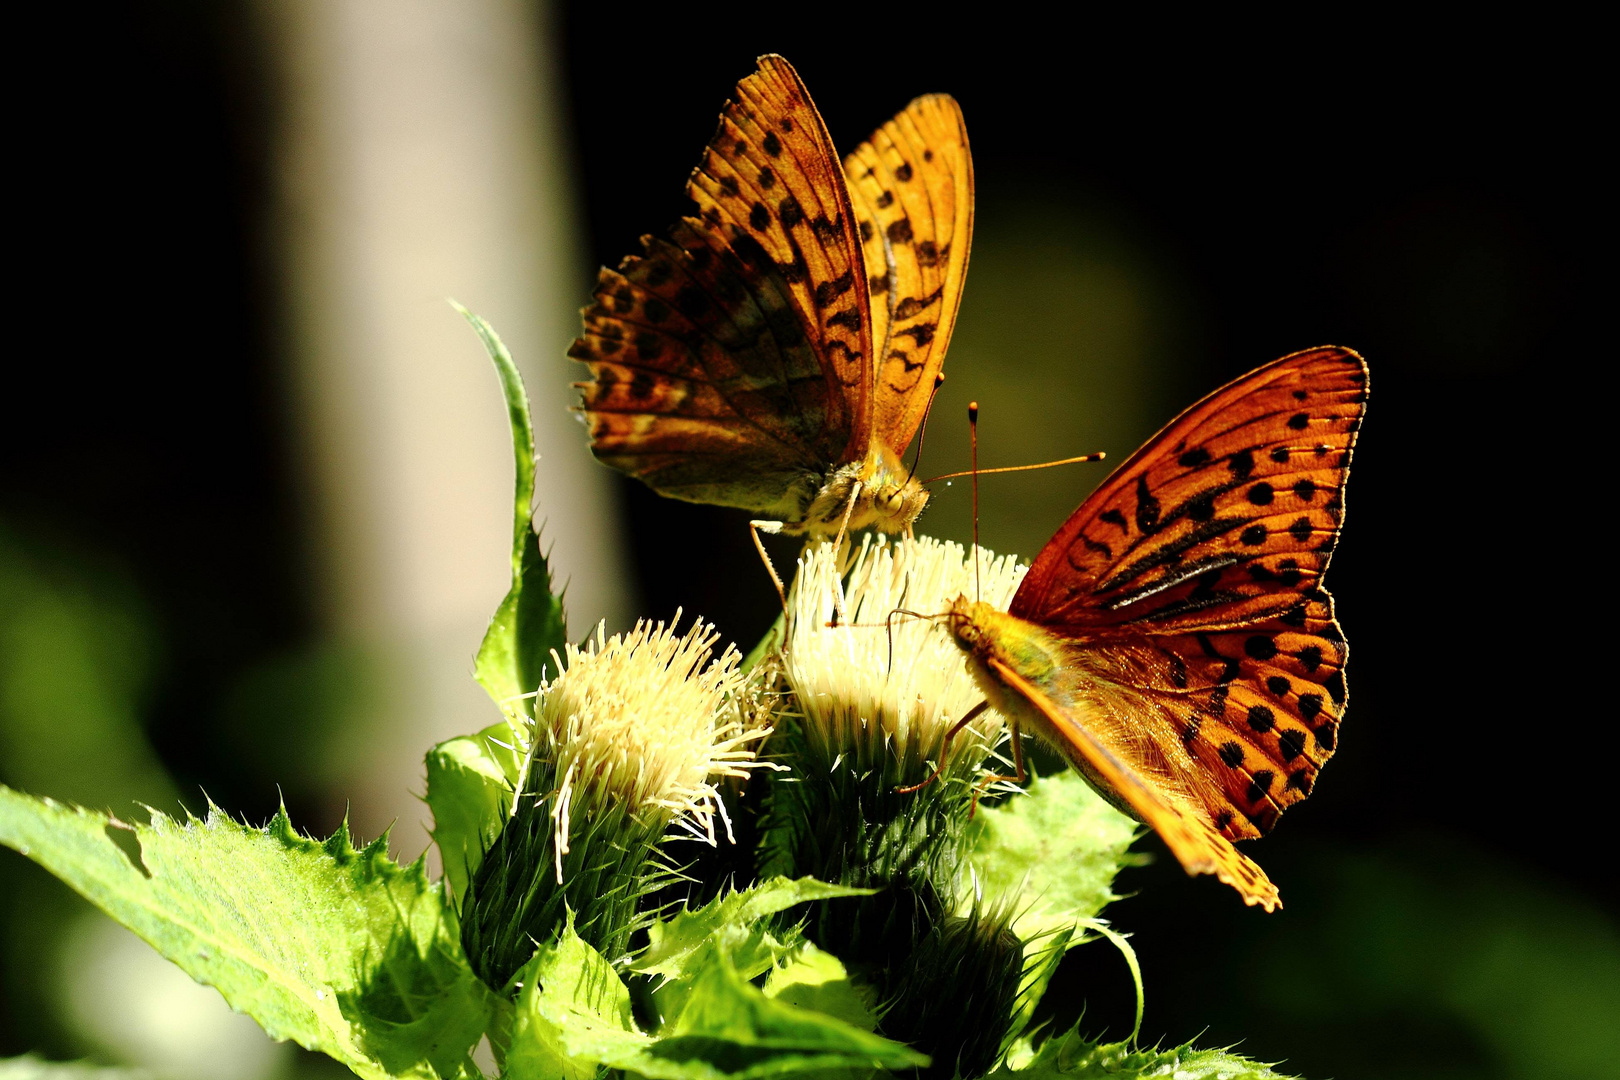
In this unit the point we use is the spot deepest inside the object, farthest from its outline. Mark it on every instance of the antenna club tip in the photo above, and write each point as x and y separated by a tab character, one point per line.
973	410
939	379
1102	455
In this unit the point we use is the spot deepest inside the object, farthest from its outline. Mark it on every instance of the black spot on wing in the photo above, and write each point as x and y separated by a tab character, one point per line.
1147	507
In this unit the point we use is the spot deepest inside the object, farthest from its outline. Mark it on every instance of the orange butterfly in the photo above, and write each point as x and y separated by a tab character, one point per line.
778	351
1173	641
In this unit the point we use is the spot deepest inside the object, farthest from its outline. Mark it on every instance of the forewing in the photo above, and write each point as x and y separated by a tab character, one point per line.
1198	565
912	186
704	386
1195	843
771	185
725	359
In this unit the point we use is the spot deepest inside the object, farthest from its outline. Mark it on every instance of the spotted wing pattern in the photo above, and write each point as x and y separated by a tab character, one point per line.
912	186
731	361
1196	843
1192	578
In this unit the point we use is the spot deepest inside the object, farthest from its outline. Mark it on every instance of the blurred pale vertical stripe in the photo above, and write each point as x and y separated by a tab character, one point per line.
422	157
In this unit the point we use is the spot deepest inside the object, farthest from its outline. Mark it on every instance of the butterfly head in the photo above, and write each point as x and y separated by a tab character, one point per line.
897	505
875	493
971	624
894	496
986	633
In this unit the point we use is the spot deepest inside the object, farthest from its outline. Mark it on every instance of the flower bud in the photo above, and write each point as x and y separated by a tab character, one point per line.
626	747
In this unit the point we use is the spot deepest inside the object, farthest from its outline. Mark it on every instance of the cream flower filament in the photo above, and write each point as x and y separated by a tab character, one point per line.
855	703
646	721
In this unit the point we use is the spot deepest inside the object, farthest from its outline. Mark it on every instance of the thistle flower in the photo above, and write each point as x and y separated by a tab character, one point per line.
639	721
627	744
888	689
874	699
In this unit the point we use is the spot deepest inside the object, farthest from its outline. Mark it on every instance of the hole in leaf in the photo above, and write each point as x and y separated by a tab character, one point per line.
125	838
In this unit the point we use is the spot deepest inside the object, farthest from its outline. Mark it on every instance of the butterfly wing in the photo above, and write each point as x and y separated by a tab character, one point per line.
732	361
1192	576
912	186
1198	846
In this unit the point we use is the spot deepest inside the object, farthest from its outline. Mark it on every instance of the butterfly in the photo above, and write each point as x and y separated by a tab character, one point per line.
1173	640
778	351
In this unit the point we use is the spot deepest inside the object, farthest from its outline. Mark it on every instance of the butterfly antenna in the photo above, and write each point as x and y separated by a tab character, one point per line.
1098	456
973	433
922	432
889	623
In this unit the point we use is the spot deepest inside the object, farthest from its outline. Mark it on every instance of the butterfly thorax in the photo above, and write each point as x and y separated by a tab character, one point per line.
885	496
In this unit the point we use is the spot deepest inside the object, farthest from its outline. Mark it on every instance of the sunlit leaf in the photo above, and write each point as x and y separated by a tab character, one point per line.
1072	1056
813	979
516	652
469	788
1057	848
341	950
675	940
573	1012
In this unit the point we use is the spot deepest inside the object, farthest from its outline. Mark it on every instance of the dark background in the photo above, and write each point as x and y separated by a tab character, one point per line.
1428	198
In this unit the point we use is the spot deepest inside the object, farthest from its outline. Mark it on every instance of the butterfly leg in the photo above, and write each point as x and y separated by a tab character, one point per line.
754	529
838	543
945	749
1019	777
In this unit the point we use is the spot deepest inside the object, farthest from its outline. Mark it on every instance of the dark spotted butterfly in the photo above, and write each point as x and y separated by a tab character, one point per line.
777	352
1173	641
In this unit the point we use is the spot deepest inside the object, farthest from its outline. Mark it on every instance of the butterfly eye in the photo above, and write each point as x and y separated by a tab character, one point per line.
891	501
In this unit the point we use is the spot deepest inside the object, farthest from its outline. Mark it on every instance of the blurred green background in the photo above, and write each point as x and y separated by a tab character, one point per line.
251	522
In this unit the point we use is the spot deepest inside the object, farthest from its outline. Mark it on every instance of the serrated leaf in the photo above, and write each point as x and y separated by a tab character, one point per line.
732	1029
515	656
1053	852
814	979
572	1013
675	941
1072	1056
340	950
469	789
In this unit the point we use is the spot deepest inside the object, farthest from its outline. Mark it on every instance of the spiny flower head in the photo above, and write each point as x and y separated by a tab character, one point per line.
644	720
879	683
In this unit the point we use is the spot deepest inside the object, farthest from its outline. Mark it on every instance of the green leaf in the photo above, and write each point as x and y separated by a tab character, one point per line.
32	1068
470	780
572	1013
1073	1056
515	656
1118	941
766	645
675	941
343	951
813	979
730	1028
1056	850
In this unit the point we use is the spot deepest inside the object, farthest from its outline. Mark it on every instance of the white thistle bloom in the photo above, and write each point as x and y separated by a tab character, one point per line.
643	720
855	704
